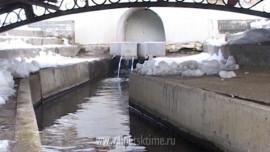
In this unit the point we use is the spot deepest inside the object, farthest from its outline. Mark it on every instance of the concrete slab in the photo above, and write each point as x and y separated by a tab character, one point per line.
233	114
151	48
22	32
34	40
26	134
115	48
129	50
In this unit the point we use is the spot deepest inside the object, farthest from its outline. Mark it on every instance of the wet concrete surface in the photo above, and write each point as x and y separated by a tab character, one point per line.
251	84
96	117
7	122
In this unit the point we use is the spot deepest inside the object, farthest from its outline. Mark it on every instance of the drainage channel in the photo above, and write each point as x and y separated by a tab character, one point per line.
96	117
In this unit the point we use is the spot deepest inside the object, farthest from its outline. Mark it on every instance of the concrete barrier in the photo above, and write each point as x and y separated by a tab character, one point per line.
46	83
35	87
55	80
26	131
231	124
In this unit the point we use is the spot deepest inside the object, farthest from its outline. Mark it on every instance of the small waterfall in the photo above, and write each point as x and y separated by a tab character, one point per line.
119	66
132	62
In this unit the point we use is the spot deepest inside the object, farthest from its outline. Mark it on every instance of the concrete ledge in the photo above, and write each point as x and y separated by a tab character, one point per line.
231	124
69	51
34	40
26	134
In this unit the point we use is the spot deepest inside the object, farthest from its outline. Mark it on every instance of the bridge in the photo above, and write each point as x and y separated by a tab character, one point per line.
15	13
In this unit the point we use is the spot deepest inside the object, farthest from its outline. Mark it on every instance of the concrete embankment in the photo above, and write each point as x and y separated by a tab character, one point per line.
44	84
230	123
26	131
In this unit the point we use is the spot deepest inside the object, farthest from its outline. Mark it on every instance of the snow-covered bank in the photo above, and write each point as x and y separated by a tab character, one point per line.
191	66
22	67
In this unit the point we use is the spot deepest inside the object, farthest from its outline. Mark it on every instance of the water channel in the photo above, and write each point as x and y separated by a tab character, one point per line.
96	117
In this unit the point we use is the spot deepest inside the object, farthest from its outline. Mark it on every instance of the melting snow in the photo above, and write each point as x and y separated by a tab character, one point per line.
4	144
191	66
22	67
252	36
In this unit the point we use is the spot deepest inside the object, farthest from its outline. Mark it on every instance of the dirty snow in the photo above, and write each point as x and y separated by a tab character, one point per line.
22	67
252	36
191	66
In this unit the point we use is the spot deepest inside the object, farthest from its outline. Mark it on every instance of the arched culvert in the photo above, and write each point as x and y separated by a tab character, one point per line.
140	33
140	25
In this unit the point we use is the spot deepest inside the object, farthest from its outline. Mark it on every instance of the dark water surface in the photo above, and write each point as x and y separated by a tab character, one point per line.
96	118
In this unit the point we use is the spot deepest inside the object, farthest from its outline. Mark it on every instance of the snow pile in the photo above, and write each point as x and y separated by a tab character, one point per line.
252	36
216	42
4	145
15	43
50	59
263	23
191	66
22	67
6	86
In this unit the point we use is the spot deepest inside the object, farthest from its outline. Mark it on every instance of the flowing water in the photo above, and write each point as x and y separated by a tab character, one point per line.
119	67
95	117
132	62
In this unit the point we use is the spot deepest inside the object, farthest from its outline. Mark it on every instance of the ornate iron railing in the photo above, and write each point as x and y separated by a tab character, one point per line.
29	11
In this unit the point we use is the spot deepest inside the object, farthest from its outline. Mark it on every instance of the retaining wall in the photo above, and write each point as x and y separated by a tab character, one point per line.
231	124
46	83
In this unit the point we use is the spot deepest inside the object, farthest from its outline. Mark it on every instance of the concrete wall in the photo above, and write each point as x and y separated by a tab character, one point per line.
180	24
141	25
229	123
51	81
41	85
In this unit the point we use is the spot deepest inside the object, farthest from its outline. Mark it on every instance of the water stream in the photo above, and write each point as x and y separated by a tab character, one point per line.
96	118
132	62
119	67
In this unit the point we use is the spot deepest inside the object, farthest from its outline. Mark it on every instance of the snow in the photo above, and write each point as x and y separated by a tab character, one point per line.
14	43
252	36
20	43
22	67
216	42
4	144
190	66
227	74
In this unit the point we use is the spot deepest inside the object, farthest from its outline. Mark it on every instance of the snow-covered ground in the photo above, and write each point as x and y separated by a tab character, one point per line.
22	67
